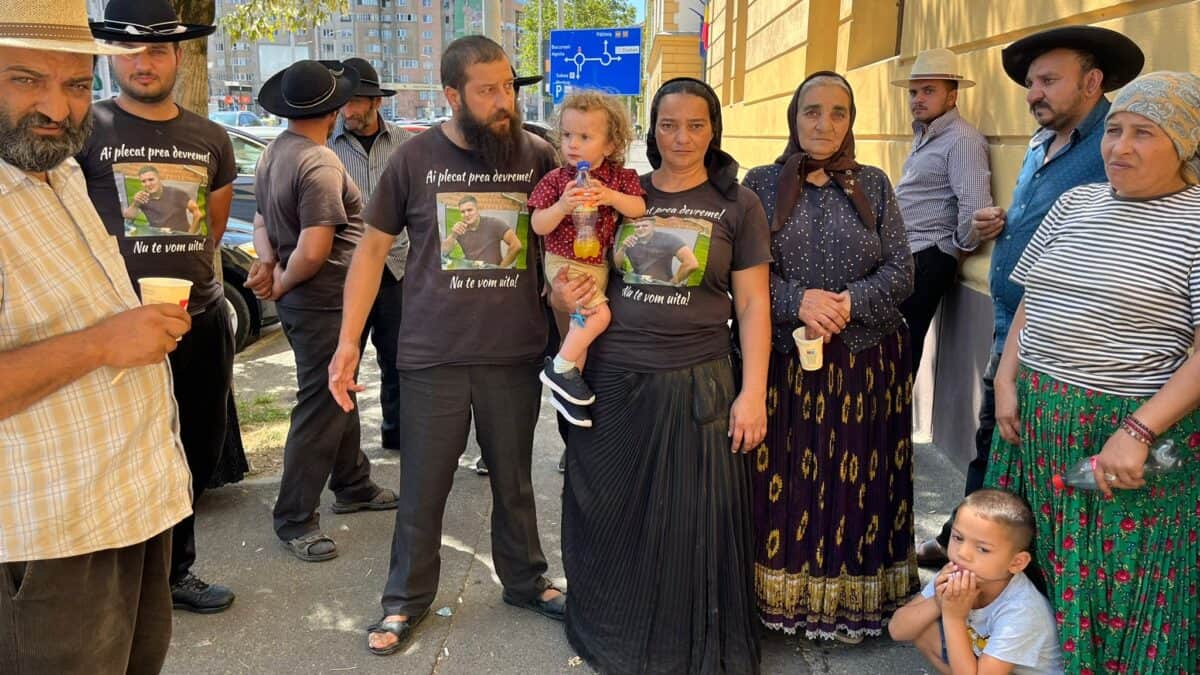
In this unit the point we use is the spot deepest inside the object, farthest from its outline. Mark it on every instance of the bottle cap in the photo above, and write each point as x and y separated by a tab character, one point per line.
583	166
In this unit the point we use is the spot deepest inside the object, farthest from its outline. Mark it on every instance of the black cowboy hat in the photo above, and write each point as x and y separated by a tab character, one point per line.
519	82
368	79
145	21
308	89
1118	57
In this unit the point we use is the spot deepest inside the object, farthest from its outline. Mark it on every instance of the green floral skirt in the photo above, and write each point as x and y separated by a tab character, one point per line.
1121	572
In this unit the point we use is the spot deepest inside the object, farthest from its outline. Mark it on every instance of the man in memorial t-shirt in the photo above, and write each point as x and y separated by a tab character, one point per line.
474	348
161	178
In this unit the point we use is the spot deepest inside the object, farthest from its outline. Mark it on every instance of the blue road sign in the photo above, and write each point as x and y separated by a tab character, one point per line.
605	59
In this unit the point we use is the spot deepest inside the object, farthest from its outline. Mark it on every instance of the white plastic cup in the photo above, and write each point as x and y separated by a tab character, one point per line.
165	290
811	354
161	290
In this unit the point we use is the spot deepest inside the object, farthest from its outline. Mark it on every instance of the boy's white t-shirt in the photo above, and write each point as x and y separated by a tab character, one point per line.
1017	627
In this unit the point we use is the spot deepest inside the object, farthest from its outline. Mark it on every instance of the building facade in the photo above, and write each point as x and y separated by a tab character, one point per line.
760	50
672	43
403	40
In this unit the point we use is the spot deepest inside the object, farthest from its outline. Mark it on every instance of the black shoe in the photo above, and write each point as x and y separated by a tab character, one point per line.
569	385
554	608
401	629
193	595
575	414
481	467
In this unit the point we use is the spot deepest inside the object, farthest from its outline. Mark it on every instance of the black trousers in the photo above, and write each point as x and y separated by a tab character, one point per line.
102	612
202	367
323	442
384	325
436	408
977	469
933	277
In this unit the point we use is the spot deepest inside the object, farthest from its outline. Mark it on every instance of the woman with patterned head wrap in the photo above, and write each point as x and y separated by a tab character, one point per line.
1101	362
833	481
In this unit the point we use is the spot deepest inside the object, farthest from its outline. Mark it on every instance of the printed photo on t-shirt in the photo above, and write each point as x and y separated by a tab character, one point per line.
483	230
664	251
162	199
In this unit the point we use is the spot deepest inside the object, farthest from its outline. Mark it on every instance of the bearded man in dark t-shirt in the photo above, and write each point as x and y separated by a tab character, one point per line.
140	139
473	350
165	207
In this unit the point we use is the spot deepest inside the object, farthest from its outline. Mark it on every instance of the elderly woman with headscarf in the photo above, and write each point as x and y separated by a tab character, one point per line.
833	481
1101	362
657	528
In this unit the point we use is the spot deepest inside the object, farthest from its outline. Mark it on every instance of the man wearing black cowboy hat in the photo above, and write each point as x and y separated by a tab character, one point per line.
1066	71
364	141
161	178
307	226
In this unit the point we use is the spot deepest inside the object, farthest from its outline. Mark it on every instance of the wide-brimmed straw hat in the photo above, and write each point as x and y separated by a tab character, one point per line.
1118	57
145	21
59	26
308	89
935	64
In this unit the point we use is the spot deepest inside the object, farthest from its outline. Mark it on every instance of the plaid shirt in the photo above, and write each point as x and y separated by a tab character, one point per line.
92	466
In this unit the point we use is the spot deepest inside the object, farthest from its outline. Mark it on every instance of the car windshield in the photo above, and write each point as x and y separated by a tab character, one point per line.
224	117
246	153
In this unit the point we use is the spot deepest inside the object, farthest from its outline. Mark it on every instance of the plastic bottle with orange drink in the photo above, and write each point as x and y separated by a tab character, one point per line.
584	217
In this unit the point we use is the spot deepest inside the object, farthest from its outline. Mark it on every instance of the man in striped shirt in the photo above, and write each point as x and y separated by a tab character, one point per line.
946	179
364	141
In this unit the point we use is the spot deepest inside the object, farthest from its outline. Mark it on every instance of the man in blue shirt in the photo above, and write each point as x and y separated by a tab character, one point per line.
1066	70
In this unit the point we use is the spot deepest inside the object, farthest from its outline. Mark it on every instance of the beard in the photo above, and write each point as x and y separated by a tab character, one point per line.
146	93
27	151
497	147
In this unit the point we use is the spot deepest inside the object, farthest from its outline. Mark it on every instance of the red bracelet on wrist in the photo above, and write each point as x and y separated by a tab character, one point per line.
1139	431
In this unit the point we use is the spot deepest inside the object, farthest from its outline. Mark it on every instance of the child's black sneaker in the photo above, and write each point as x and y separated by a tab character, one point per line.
575	414
569	385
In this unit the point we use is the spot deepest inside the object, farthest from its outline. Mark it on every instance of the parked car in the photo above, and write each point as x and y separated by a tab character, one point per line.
247	122
247	148
248	315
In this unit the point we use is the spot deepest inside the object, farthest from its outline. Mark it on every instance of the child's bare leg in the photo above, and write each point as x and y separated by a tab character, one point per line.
929	643
579	338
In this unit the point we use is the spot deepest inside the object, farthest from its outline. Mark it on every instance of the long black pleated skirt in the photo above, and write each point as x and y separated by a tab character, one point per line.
658	535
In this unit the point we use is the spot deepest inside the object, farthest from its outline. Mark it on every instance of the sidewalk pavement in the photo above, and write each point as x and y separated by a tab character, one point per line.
294	617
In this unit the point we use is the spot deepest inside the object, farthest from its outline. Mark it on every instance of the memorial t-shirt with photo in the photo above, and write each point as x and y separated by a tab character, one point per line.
670	290
150	182
471	296
299	184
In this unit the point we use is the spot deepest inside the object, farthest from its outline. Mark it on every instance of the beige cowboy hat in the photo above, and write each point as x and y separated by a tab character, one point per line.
57	26
935	64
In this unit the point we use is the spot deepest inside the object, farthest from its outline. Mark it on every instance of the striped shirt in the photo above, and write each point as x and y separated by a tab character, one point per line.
365	171
946	179
94	465
1112	289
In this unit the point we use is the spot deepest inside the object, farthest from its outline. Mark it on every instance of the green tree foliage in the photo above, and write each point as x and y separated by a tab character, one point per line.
252	20
258	19
576	14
